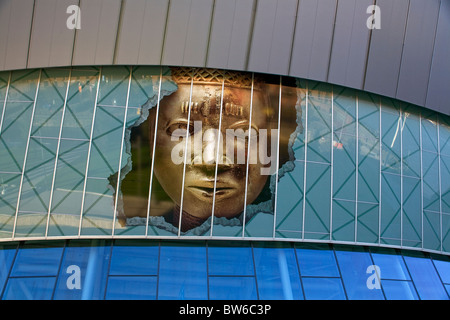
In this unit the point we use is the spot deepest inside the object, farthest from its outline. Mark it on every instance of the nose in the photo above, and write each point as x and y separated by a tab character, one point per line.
208	149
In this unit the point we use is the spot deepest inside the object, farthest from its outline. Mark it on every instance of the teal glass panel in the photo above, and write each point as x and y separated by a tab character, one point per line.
343	220
368	221
431	230
30	288
391	136
144	85
446	232
411	143
80	104
319	122
83	271
182	272
323	289
36	187
444	134
277	272
68	188
368	148
131	288
399	290
289	212
318	201
4	78
425	277
23	85
50	103
316	260
98	208
344	167
412	213
106	142
293	117
445	183
14	135
114	86
430	181
429	133
232	288
9	189
226	260
390	209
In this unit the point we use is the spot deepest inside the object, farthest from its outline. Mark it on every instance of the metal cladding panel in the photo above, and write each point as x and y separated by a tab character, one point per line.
272	36
386	47
230	34
96	40
350	44
313	38
187	32
51	41
418	51
141	32
15	31
439	83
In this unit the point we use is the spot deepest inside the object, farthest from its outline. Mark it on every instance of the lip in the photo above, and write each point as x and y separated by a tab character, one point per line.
204	189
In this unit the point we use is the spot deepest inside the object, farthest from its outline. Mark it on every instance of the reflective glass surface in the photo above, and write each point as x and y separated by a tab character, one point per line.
151	151
228	270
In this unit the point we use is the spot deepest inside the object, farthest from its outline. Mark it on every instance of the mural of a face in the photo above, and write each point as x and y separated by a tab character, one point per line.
204	123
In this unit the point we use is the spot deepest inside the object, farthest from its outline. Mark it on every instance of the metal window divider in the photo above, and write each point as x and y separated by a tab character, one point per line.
83	196
153	153
4	103
26	155
57	154
305	142
124	127
332	163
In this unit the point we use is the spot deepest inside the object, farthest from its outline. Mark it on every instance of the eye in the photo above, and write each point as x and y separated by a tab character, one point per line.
179	128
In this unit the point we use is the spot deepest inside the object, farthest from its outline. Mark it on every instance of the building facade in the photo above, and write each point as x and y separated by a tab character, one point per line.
208	149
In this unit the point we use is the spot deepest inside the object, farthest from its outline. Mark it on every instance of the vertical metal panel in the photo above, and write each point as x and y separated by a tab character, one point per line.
95	41
141	32
230	33
187	32
418	51
386	46
51	42
350	44
15	28
313	38
439	82
272	36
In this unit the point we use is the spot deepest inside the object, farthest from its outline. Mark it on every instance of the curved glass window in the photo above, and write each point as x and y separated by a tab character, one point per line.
150	152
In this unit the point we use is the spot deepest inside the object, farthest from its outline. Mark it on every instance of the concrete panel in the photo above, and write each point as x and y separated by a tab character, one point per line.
141	32
386	46
418	51
350	44
313	38
95	41
439	82
272	36
51	42
15	28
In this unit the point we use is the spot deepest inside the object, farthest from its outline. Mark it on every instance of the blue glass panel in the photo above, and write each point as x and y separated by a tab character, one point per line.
7	253
443	268
230	260
354	268
182	272
399	290
317	261
447	286
134	258
38	259
131	288
232	288
425	278
29	288
277	272
92	259
391	265
323	289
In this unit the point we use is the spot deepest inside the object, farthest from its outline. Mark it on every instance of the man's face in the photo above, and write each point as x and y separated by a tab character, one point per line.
205	127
